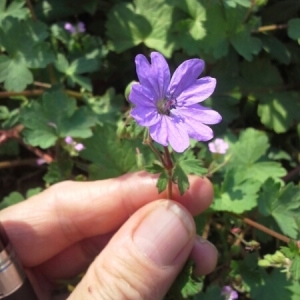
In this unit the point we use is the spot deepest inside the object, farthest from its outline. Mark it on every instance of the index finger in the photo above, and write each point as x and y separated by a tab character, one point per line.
71	211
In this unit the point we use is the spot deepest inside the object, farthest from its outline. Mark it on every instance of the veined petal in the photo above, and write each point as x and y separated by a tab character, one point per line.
145	74
162	73
198	131
185	76
140	95
177	134
193	120
197	92
198	113
159	132
169	130
145	116
154	76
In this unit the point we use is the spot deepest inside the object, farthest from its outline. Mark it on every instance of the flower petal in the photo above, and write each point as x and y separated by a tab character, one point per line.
199	113
154	76
185	76
161	71
159	132
140	95
145	116
193	119
197	92
170	130
198	131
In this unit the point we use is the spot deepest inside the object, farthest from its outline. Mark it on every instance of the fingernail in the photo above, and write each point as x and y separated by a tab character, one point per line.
164	233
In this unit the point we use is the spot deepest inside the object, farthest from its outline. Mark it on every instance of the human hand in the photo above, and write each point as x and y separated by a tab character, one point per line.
134	244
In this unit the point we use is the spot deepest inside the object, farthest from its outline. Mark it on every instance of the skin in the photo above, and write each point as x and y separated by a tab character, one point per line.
97	225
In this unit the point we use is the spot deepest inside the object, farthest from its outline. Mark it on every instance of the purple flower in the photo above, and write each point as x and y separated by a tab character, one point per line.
40	161
79	147
169	106
69	27
229	293
69	140
218	146
80	27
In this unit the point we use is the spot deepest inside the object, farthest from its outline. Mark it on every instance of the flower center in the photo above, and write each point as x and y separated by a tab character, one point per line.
165	105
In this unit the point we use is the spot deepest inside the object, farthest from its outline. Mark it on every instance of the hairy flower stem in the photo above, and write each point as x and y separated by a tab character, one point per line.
166	161
36	93
218	167
169	168
264	229
149	142
30	7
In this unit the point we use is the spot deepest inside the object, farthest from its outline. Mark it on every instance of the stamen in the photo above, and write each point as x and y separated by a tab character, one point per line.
164	106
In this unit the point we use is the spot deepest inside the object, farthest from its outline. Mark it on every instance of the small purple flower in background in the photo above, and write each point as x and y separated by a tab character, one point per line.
69	140
80	27
77	146
218	146
229	293
169	106
40	161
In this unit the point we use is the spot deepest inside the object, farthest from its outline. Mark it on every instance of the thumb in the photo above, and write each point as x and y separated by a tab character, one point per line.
144	257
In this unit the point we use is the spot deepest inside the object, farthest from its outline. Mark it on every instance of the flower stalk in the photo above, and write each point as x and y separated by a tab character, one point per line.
169	168
263	228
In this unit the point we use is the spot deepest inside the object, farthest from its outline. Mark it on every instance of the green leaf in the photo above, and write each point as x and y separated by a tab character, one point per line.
147	21
86	64
216	40
181	179
234	3
245	44
295	268
247	270
125	27
249	160
26	50
282	204
162	182
192	166
112	157
294	28
91	6
236	195
276	49
107	107
161	17
11	199
279	110
33	192
255	79
15	9
213	292
14	73
186	284
190	31
52	10
56	116
154	168
275	286
58	171
4	112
